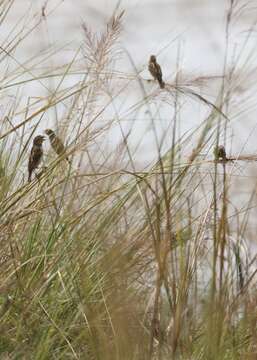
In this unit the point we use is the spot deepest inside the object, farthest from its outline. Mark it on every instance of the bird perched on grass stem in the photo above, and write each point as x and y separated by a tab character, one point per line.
156	71
220	153
56	143
36	154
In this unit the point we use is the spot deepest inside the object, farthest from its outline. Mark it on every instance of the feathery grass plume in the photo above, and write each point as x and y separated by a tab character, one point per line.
36	155
56	143
100	48
100	51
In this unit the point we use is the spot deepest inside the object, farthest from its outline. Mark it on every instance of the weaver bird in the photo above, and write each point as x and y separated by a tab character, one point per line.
36	154
220	153
56	143
156	71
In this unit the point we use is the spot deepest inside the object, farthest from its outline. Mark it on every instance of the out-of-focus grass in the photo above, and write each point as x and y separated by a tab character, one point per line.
101	260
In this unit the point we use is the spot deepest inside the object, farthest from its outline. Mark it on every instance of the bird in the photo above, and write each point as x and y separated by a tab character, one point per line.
36	154
220	153
156	71
56	143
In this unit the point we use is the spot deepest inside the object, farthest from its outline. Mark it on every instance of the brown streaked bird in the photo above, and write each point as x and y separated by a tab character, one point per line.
220	153
35	154
156	71
56	143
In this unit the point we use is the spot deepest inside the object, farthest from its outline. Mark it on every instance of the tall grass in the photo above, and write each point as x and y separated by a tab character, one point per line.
106	258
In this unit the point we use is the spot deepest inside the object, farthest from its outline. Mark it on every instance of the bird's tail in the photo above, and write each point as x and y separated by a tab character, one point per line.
29	177
161	83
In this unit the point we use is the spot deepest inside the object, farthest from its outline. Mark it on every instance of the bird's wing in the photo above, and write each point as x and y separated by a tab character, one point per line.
159	70
152	69
35	156
58	146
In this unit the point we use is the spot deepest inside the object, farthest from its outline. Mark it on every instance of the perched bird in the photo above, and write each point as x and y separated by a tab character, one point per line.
156	71
220	153
35	154
56	143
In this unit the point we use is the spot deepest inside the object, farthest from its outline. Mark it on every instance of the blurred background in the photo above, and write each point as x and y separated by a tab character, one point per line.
193	31
193	47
